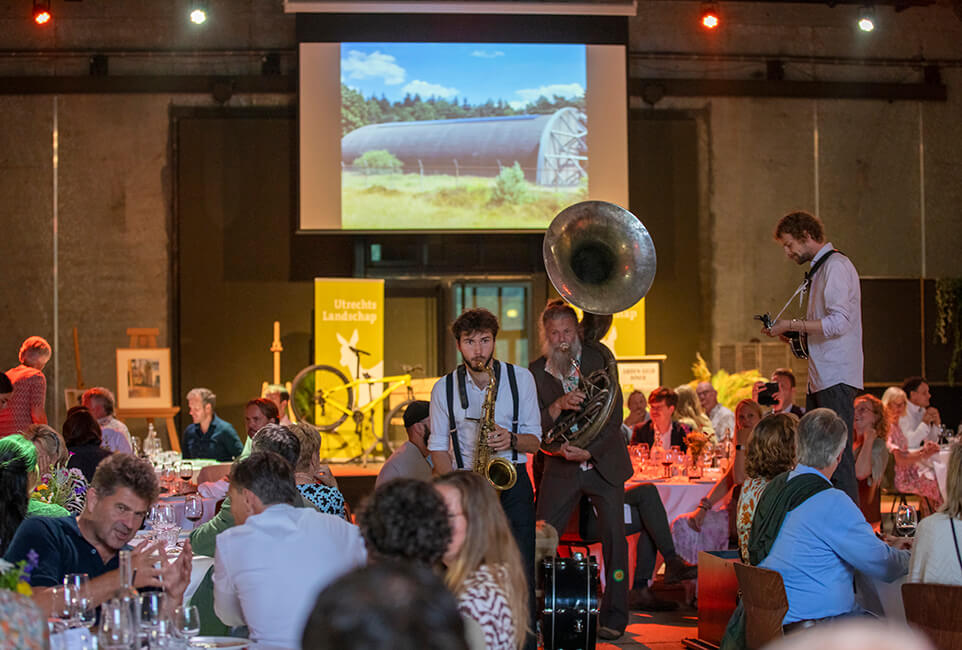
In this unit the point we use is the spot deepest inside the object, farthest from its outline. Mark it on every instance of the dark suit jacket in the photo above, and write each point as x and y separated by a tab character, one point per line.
645	433
608	451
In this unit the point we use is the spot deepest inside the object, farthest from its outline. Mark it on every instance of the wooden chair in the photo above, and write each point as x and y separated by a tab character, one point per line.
934	609
765	603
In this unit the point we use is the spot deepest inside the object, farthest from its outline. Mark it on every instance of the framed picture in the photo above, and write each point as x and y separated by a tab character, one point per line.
642	374
72	396
143	378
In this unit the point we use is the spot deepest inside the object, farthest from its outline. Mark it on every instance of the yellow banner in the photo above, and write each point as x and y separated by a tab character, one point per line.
349	337
626	338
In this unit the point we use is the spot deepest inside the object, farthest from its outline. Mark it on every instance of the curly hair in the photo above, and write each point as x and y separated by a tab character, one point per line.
123	470
279	439
771	449
81	428
405	519
878	410
475	320
800	225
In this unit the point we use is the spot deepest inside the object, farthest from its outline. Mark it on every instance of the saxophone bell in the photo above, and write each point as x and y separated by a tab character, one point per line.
501	473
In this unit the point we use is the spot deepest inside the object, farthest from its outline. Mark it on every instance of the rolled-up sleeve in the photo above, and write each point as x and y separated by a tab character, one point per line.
440	423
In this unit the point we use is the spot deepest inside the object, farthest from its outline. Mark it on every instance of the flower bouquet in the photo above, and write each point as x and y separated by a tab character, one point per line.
63	487
16	577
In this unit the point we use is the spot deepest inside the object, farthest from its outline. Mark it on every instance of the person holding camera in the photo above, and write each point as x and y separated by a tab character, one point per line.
779	393
832	325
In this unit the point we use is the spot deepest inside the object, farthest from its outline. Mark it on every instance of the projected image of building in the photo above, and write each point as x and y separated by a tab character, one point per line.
551	148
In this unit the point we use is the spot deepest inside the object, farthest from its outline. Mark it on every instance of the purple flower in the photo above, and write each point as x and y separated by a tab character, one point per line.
32	561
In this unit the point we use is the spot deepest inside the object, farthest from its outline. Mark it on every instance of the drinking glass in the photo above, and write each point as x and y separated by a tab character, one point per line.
906	519
186	470
151	609
116	627
165	517
194	508
187	622
61	607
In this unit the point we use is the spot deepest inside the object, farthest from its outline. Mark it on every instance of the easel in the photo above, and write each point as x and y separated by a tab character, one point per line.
276	349
146	337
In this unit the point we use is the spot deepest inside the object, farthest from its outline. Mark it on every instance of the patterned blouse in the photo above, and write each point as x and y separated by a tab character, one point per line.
22	625
909	478
484	600
751	491
29	392
325	498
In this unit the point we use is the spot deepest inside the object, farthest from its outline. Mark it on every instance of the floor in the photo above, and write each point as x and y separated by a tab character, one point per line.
658	631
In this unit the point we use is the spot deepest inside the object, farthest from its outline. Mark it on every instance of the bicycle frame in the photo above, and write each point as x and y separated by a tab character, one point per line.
394	382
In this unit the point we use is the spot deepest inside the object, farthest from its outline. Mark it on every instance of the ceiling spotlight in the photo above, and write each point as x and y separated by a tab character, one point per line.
41	12
198	12
710	18
866	18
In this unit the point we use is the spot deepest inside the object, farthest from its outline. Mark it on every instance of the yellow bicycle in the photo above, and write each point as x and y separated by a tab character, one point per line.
323	396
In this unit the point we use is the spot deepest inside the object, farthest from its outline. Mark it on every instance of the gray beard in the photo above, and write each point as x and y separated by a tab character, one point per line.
559	359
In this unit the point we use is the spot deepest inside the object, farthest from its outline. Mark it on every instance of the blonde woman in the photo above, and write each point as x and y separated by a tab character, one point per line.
935	554
315	481
871	429
52	457
482	563
689	411
910	475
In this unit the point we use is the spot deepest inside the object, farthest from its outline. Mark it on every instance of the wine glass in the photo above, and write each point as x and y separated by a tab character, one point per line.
61	607
116	627
194	508
906	519
151	609
187	622
186	470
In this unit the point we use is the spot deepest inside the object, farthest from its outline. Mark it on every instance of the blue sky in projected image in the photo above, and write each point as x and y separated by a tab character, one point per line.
515	73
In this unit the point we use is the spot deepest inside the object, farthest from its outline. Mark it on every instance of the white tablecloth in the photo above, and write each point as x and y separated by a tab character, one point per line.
679	496
939	464
182	521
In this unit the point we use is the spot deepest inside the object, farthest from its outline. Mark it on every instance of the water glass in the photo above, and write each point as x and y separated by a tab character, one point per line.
164	517
151	609
61	606
116	627
906	519
187	621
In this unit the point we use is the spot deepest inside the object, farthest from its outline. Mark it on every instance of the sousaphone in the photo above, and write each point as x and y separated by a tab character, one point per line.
600	258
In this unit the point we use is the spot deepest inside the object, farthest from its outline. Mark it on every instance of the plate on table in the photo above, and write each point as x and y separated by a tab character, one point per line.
218	642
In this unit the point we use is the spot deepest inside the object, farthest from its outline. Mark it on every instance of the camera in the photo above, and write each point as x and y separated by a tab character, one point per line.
767	396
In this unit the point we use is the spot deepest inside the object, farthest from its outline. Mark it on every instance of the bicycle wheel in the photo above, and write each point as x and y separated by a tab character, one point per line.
393	433
320	396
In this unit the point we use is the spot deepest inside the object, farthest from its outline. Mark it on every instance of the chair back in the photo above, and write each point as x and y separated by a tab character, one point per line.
765	603
213	473
934	610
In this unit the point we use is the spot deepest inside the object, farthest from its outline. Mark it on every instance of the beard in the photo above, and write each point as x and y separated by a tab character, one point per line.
478	363
803	258
560	356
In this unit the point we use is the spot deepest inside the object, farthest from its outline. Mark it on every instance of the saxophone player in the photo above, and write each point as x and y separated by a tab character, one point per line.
456	407
598	471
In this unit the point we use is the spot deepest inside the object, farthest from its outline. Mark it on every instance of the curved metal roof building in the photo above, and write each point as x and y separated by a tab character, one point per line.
551	149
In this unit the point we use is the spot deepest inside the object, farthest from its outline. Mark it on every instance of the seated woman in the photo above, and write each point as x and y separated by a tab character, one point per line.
483	565
82	434
871	454
314	480
938	538
771	451
690	413
705	529
911	475
18	477
52	456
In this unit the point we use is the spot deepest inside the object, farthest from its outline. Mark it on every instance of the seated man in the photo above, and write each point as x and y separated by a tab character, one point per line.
258	413
722	418
823	538
269	567
661	406
208	436
637	413
114	433
121	492
648	517
412	459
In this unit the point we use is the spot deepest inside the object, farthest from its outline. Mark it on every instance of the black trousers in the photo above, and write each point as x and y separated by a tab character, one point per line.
649	517
841	399
557	498
518	505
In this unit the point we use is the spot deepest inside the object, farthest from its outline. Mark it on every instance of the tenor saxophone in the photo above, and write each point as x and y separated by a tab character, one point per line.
501	473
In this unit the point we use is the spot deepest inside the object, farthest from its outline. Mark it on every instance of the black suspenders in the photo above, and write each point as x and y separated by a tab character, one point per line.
461	372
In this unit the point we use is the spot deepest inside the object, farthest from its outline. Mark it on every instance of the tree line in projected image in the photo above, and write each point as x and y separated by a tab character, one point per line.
356	111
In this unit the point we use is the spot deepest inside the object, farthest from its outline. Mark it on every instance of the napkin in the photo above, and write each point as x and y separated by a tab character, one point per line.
213	489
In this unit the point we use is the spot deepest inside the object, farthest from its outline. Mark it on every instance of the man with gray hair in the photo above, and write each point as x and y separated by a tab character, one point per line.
208	436
817	537
115	435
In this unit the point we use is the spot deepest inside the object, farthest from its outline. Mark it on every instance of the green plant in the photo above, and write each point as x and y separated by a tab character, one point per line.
948	303
510	186
731	387
378	161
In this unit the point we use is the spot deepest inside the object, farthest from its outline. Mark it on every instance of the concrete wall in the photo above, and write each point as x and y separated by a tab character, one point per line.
758	155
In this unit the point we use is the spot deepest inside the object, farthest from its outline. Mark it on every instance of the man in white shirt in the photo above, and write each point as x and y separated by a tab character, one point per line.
722	419
114	434
833	325
269	568
921	422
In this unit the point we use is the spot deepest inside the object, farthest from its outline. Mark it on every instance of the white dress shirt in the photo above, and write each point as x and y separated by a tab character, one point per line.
835	298
115	435
723	422
529	415
915	431
268	572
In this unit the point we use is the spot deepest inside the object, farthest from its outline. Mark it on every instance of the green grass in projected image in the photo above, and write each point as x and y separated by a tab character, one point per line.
412	201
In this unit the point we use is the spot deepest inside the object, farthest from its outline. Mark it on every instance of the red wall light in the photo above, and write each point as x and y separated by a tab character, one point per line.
710	18
41	12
